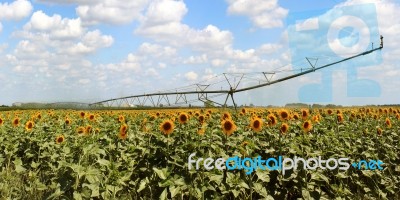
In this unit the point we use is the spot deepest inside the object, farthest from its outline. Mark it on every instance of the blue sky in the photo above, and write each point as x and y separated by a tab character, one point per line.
92	50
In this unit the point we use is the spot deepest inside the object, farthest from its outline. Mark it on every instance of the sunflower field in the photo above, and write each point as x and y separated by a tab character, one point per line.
143	154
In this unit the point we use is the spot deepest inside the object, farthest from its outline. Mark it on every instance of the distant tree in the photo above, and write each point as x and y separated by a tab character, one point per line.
208	104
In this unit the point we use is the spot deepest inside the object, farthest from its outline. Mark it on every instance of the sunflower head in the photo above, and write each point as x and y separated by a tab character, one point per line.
388	123
81	130
284	114
91	117
15	122
295	116
256	124
228	126
167	127
304	113
121	119
88	129
82	114
329	111
60	139
29	125
340	118
183	118
243	110
68	121
201	131
1	121
202	119
307	126
316	118
379	131
123	131
272	121
284	128
226	116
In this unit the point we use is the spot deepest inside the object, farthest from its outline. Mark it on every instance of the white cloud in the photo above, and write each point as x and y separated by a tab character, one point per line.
1	27
111	11
115	12
92	41
201	59
151	72
162	22
191	76
269	48
56	26
263	13
3	47
158	51
131	63
84	81
218	62
16	10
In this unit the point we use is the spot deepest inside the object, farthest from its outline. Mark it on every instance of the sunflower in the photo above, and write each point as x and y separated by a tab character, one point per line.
201	131
244	110
121	119
284	128
91	117
60	139
295	116
1	121
284	114
123	132
398	116
167	127
82	114
388	123
39	116
81	130
316	118
329	111
307	126
379	131
225	116
68	121
183	118
304	114
271	120
256	124
340	118
202	119
15	122
228	126
29	125
88	129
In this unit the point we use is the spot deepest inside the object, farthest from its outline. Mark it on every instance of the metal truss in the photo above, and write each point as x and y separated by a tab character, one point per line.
204	94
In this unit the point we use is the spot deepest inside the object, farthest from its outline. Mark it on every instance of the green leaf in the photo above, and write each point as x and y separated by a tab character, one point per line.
305	194
160	173
260	189
216	178
142	184
244	185
235	193
77	196
263	176
164	194
174	191
103	162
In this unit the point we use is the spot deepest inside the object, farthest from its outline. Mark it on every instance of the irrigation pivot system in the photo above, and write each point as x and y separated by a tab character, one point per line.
206	92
